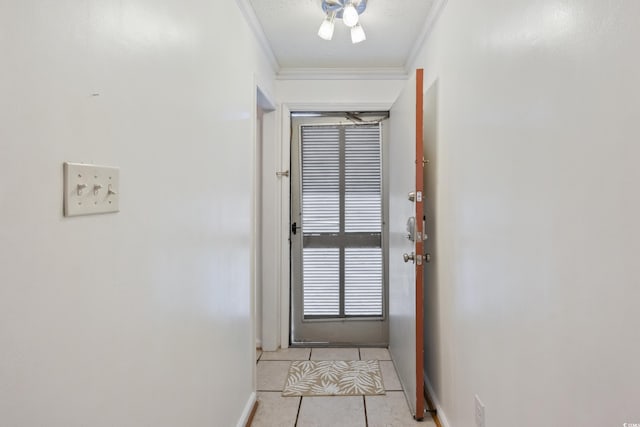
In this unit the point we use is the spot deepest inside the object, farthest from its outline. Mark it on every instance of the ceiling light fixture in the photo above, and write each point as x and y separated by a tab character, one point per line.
347	10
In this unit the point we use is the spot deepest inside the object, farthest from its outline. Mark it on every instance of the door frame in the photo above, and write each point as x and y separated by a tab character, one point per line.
420	244
364	330
282	323
265	138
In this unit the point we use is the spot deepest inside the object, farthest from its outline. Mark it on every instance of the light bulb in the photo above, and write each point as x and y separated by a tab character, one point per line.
350	15
357	34
327	26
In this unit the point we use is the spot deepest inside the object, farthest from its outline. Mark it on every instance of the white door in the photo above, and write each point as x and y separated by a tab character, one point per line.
406	243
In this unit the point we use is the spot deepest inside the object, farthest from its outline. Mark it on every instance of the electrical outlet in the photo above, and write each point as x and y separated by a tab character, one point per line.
479	412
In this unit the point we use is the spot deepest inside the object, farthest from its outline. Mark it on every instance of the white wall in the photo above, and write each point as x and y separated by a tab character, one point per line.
537	294
336	95
142	317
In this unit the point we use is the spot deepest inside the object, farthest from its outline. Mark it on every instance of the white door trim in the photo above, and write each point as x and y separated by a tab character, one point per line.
264	217
283	242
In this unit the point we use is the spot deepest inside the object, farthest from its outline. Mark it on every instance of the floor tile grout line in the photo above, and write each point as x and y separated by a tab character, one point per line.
298	413
366	419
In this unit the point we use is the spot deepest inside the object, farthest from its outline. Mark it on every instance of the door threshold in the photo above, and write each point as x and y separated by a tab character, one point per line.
316	344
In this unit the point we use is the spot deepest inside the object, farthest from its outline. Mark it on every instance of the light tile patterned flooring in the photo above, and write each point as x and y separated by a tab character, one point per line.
390	410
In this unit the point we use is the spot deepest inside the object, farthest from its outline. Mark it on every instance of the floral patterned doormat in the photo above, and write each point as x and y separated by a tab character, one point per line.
334	378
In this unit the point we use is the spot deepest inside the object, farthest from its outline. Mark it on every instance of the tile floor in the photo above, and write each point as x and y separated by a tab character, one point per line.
389	410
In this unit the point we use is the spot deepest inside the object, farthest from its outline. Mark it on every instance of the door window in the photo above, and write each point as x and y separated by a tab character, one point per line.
342	259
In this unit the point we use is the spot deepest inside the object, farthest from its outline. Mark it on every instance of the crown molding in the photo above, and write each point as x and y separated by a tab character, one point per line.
373	73
432	18
253	22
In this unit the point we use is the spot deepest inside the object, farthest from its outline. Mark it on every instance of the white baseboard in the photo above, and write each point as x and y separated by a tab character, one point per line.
434	398
246	413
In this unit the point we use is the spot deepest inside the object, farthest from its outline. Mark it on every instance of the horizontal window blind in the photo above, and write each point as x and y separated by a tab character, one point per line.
363	180
321	179
342	221
363	281
321	278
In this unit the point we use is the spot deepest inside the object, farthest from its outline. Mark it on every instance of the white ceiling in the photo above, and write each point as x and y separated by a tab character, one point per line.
392	28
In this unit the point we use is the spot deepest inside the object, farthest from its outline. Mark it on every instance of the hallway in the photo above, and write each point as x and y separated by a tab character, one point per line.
150	316
389	410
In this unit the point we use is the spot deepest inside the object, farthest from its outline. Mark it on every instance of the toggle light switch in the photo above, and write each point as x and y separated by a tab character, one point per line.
78	177
80	188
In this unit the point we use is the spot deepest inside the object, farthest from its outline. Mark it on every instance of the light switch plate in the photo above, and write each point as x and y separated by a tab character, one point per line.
90	189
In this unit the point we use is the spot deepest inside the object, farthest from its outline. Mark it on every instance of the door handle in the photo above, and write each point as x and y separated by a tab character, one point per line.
294	228
411	256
